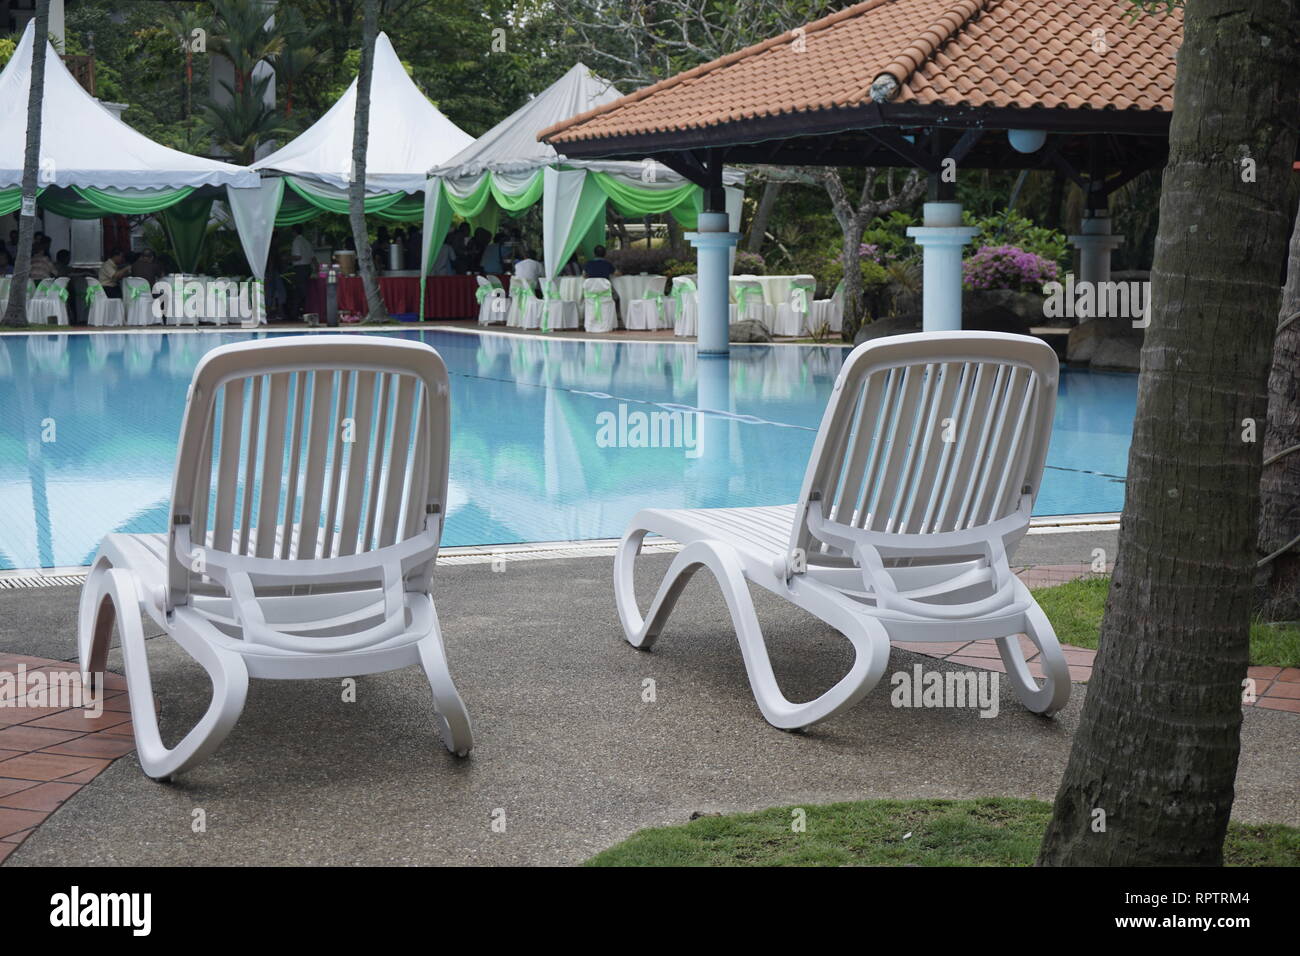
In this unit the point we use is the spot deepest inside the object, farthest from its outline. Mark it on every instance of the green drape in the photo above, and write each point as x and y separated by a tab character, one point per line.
186	223
303	201
589	215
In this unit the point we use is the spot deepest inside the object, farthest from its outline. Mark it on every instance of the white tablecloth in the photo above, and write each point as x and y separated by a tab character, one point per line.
571	288
631	288
776	289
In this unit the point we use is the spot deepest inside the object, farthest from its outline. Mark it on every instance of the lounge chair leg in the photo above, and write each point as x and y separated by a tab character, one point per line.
452	717
1055	691
872	649
111	594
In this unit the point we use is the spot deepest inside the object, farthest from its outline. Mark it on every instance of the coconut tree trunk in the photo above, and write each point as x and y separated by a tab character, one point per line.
758	225
375	311
1279	490
1150	775
16	309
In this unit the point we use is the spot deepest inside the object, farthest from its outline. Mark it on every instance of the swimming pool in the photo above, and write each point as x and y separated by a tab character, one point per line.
551	439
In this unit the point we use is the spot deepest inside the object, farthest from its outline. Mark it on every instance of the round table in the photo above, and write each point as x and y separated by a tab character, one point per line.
776	289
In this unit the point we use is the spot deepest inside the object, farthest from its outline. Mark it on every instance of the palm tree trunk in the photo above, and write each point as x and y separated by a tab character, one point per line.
1279	490
1150	775
16	310
375	310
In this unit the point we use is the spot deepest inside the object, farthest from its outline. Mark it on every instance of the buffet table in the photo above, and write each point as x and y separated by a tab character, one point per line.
445	297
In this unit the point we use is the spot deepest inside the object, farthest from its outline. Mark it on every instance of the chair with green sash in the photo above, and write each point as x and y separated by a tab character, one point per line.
599	314
829	312
100	309
557	312
793	317
750	303
49	303
525	307
686	306
493	304
649	313
137	301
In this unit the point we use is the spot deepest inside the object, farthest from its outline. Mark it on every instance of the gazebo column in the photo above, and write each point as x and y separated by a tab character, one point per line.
713	244
941	239
1095	245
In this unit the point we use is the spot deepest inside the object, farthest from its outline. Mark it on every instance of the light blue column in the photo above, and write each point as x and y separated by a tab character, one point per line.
941	240
714	244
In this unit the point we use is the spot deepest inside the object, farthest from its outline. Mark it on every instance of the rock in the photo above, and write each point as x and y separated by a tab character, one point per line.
896	325
1121	354
1087	338
1001	310
750	330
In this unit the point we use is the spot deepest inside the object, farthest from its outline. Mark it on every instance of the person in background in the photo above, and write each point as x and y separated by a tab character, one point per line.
147	267
459	241
493	260
445	264
111	270
528	268
62	263
598	267
12	247
6	266
411	251
302	257
42	266
571	268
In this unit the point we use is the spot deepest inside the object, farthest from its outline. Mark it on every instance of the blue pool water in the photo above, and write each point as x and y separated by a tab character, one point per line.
546	435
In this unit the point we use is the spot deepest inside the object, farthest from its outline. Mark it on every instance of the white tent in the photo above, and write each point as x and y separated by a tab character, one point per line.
407	135
507	168
92	164
83	145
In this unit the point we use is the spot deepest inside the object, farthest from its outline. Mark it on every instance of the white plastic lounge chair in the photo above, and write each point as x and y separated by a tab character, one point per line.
599	313
101	310
921	480
792	316
306	511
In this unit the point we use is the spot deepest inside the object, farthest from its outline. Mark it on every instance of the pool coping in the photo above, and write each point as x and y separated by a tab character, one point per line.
67	575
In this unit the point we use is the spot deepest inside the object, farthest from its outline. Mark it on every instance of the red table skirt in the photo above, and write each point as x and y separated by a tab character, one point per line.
445	297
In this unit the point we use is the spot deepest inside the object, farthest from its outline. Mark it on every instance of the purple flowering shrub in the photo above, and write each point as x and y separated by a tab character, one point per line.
1007	267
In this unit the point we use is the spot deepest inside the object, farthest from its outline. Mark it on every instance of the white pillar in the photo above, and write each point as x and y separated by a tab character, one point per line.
714	244
1095	247
941	240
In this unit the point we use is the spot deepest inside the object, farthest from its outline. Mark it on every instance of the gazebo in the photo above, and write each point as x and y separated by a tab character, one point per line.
93	165
936	86
508	169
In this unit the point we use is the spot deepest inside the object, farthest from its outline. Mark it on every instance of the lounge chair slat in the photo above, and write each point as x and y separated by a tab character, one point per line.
398	458
354	491
322	387
295	462
344	424
268	512
232	431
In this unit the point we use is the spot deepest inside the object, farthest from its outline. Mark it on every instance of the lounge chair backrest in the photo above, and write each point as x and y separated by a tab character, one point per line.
311	448
931	433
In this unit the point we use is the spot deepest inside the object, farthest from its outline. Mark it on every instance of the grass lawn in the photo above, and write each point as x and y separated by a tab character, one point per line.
986	832
1075	610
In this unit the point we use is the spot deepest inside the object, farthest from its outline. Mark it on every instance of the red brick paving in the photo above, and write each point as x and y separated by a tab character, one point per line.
1275	688
47	754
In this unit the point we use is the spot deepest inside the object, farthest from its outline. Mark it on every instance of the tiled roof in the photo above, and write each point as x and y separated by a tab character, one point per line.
1031	54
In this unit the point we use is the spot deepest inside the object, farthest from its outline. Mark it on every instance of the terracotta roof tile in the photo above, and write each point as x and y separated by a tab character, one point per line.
1023	53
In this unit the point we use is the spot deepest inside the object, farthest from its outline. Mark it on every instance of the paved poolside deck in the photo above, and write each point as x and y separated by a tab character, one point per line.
566	748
